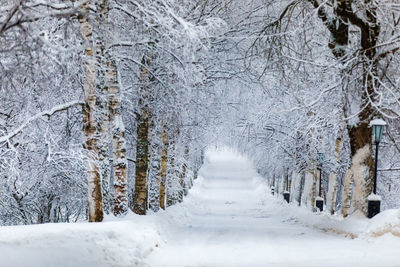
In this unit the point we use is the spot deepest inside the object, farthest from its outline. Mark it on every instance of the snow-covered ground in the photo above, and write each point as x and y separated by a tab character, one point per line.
228	219
115	243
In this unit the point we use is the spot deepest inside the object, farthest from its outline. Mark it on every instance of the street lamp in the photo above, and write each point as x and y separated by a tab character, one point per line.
374	201
319	201
286	194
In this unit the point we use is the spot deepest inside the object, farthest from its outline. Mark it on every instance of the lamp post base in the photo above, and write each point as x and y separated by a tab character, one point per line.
319	204
286	196
374	205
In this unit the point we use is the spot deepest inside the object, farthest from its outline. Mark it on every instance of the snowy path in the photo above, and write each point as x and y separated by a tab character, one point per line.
231	222
228	219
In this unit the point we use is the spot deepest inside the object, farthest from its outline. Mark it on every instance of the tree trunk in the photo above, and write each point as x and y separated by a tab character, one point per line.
143	145
301	189
164	164
142	163
314	189
347	192
100	33
182	176
360	135
333	183
173	179
90	126
295	186
170	193
182	183
331	196
359	132
154	175
120	161
308	189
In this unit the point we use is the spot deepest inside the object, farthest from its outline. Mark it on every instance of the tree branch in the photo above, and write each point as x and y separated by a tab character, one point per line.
48	113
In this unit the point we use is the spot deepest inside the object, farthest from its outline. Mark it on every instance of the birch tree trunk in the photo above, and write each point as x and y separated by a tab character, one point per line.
277	182
347	193
90	127
144	117
295	186
307	196
182	176
301	188
331	196
164	164
333	184
181	190
120	161
198	164
170	194
314	189
173	178
154	176
102	87
142	163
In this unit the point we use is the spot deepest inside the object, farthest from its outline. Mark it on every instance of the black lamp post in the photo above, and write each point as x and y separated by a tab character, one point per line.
319	201
286	193
374	201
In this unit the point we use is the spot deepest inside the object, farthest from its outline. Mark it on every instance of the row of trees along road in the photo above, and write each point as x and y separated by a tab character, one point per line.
108	105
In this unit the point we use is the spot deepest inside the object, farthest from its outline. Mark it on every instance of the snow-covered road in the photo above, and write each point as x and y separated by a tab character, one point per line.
231	221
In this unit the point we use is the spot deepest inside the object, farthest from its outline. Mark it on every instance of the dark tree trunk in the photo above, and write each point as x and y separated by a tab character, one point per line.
142	164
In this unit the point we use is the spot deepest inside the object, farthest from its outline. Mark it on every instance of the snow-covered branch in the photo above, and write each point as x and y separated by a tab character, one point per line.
48	113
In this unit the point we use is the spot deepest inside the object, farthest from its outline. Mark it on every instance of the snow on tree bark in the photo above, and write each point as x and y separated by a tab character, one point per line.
90	124
331	195
295	186
347	192
360	171
154	174
120	161
307	198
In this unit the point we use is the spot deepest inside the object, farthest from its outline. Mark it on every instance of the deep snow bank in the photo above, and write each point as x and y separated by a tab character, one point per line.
354	226
115	242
